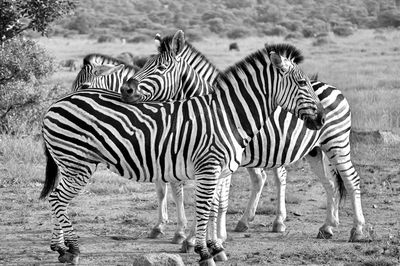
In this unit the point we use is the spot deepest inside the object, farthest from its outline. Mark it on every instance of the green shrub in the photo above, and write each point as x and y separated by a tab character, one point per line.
138	39
309	32
237	33
105	38
23	64
278	30
24	60
343	31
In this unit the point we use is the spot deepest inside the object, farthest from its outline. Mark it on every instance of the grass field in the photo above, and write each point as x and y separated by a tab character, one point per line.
113	215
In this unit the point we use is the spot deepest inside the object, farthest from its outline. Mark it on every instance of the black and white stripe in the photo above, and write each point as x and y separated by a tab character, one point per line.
202	138
284	140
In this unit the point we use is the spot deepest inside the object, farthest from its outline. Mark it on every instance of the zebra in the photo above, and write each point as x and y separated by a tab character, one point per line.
102	71
107	68
202	138
331	140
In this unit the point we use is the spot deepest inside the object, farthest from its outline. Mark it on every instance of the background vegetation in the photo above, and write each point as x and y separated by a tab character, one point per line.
138	20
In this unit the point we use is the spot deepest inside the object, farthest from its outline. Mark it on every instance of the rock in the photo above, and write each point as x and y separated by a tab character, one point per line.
158	259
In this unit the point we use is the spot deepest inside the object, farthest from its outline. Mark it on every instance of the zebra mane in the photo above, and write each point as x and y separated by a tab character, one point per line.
165	47
100	59
239	66
286	50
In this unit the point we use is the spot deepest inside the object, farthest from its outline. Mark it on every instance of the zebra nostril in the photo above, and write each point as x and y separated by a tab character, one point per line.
129	91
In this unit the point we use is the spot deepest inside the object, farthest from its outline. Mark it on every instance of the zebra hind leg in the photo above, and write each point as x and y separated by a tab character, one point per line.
59	200
57	239
177	193
158	230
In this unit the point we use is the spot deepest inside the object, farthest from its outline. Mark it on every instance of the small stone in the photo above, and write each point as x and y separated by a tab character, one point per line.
247	235
374	206
158	259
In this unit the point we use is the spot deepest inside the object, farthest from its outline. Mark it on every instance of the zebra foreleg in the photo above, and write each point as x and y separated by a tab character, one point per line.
321	166
280	183
162	190
177	193
206	185
257	178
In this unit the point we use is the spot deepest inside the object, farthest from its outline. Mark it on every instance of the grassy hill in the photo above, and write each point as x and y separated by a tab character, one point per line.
137	20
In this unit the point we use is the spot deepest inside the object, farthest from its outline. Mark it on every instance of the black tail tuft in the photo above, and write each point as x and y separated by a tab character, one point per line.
51	175
340	187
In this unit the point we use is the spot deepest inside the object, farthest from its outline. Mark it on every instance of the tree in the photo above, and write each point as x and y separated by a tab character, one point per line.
17	16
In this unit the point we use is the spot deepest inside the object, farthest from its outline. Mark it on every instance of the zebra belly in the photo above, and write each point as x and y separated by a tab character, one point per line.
283	140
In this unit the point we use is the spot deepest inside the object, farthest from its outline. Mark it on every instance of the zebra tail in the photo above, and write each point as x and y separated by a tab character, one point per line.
51	175
340	187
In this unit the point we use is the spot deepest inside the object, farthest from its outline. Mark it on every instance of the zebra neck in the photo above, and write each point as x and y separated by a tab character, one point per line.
245	117
192	85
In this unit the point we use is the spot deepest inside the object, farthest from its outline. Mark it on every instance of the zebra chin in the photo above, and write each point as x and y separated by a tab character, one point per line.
315	121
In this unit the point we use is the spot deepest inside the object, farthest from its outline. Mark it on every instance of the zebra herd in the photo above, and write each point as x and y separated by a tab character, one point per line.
179	118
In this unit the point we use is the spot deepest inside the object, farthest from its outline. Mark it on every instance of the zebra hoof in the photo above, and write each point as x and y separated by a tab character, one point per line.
358	236
187	247
278	227
220	256
322	234
70	258
178	239
156	233
241	227
207	262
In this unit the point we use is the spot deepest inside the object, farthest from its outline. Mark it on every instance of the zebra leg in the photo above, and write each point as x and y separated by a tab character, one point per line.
189	243
205	192
280	183
257	178
223	208
162	190
59	200
340	159
177	193
216	224
321	166
57	239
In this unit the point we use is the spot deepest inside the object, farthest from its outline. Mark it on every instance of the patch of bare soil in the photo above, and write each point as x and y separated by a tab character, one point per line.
113	226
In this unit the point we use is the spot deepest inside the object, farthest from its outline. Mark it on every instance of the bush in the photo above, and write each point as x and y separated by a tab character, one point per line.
309	32
138	39
22	64
343	31
105	38
24	60
294	35
237	33
321	41
276	31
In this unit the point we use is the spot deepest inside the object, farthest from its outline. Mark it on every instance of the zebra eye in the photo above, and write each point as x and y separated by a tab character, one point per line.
302	82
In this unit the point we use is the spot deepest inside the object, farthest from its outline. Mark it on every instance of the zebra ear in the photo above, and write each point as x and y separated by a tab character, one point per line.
104	70
277	61
157	40
178	41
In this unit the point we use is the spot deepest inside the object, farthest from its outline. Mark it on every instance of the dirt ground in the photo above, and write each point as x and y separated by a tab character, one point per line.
113	217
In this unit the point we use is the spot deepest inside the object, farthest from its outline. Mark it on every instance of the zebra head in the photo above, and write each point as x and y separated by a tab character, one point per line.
101	71
178	71
285	58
